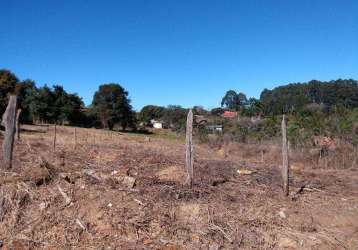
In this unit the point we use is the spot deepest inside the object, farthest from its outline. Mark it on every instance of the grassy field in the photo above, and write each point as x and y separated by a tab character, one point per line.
112	190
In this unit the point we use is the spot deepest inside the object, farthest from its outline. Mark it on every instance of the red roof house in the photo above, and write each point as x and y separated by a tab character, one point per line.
229	114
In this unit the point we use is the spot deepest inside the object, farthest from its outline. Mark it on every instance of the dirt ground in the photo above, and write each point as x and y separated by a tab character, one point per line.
111	190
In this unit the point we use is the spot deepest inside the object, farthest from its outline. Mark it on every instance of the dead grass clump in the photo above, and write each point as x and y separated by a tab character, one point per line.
14	198
172	173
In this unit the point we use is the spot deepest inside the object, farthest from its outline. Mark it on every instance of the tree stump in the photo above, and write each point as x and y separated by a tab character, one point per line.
189	156
9	122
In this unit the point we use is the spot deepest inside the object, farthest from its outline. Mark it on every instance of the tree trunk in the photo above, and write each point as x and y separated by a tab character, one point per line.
189	148
285	160
18	124
9	122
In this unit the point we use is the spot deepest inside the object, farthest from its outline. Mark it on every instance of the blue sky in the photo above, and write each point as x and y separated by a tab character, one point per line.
179	51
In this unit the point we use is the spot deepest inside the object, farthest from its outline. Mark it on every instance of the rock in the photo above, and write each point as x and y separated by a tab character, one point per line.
245	171
282	214
221	152
129	181
214	246
43	205
287	243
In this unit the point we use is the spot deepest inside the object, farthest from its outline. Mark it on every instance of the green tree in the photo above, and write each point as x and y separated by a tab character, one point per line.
234	101
112	106
230	100
296	96
150	112
175	117
24	90
8	82
41	105
254	107
217	111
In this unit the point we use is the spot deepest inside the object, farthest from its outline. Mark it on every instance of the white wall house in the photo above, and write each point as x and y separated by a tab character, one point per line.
156	124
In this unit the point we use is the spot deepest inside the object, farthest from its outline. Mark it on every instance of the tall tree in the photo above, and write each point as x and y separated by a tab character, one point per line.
175	117
24	90
150	112
112	106
8	82
234	101
230	100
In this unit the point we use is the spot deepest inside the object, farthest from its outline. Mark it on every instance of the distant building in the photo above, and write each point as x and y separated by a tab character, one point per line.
215	128
156	124
229	114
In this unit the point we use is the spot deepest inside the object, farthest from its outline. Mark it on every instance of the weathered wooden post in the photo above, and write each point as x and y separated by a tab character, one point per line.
75	138
189	156
18	113
9	122
285	160
54	138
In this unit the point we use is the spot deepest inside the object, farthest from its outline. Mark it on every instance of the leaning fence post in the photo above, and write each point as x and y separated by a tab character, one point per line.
285	160
189	156
9	122
18	113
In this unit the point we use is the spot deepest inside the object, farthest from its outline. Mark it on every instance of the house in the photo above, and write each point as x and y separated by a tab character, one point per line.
229	114
215	128
156	124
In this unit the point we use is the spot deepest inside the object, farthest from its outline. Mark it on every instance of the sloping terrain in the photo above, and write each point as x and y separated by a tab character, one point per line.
124	191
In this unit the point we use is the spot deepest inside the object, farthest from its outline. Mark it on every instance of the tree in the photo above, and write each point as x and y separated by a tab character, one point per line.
67	107
230	100
23	90
8	82
112	106
217	111
199	110
253	108
234	101
295	96
175	117
41	104
150	112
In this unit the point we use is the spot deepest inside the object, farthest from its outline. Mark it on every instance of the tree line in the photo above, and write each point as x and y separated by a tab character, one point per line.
295	96
313	108
318	102
110	106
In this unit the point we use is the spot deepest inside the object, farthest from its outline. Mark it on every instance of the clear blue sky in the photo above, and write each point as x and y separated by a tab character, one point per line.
187	52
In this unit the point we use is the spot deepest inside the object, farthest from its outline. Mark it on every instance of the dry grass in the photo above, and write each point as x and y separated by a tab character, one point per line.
224	210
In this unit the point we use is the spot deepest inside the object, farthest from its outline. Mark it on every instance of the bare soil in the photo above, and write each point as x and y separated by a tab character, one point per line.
124	191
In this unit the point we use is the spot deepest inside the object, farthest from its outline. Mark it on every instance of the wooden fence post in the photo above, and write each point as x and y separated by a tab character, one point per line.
9	122
18	113
54	138
75	138
189	156
285	160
